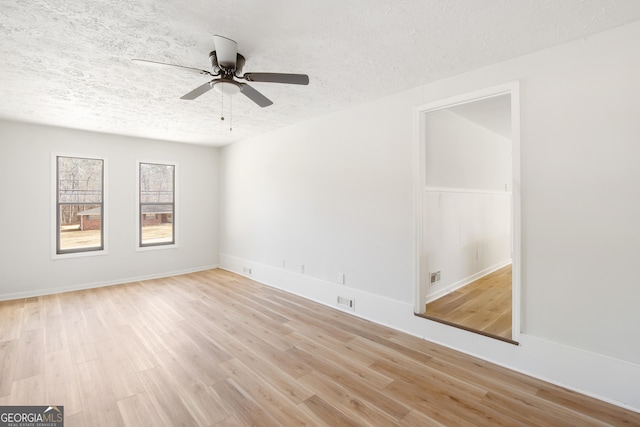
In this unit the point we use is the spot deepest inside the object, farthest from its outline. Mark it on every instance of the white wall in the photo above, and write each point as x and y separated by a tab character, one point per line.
303	196
466	235
462	154
27	267
336	194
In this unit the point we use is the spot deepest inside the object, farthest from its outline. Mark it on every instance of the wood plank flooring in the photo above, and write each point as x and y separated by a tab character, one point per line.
483	305
216	349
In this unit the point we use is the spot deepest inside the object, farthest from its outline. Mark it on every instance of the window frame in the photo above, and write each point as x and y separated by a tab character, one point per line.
140	246
56	251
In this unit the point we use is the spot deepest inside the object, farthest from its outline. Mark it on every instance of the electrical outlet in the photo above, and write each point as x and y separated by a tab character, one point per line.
341	278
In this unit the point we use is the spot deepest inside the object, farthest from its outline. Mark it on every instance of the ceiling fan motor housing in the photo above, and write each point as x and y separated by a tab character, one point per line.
216	68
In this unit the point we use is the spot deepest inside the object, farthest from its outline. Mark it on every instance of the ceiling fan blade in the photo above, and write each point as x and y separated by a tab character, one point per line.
255	96
197	91
294	79
163	65
226	52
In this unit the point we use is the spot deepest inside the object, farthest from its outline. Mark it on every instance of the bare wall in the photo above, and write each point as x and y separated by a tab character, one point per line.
25	226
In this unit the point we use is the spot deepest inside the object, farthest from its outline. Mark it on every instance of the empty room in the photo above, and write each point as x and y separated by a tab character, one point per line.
414	213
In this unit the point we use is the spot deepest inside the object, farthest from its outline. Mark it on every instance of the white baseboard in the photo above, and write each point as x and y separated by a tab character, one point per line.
596	375
435	292
99	284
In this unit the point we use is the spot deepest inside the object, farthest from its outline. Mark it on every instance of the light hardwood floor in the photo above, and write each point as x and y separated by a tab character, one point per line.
216	349
483	305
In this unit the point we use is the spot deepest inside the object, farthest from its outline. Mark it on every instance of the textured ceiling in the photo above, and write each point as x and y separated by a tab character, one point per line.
68	63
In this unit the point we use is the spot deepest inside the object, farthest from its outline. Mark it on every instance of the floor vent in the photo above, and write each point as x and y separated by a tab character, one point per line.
434	278
349	303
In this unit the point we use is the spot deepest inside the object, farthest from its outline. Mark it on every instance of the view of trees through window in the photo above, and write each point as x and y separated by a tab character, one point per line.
157	205
79	204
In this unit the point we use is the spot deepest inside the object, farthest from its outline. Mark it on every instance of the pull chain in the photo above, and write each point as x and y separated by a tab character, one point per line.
230	110
222	106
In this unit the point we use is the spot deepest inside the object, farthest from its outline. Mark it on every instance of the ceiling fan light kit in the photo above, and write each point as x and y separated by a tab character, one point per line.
227	65
226	87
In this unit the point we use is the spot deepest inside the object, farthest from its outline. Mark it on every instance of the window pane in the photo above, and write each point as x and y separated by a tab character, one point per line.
156	183
157	206
79	180
80	226
156	222
79	201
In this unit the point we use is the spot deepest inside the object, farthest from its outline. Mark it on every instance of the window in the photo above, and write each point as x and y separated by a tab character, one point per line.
156	211
79	204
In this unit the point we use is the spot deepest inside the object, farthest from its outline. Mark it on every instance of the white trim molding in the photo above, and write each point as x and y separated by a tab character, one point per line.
463	190
99	284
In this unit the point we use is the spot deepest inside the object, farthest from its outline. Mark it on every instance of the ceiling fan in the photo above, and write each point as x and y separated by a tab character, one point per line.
227	66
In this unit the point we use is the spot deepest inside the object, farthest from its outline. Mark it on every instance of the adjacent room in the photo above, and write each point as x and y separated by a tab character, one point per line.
329	213
467	216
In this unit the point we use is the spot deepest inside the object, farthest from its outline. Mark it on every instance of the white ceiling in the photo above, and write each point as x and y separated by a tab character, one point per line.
67	63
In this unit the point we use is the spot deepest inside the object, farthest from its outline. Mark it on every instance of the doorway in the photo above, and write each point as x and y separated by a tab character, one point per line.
468	212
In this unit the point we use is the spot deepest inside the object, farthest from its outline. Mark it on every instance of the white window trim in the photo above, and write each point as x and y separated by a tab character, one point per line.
54	207
176	217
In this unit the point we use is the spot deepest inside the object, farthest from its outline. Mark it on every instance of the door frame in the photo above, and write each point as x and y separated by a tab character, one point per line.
512	88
